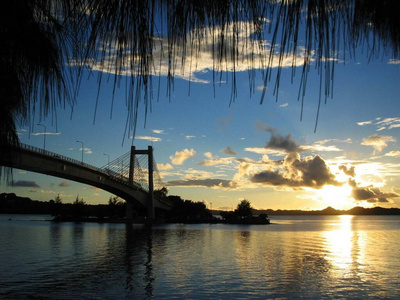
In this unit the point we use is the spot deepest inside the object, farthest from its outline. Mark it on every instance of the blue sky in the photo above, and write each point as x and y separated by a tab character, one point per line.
210	150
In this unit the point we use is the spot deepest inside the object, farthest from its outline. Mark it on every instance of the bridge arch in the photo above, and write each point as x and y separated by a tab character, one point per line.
40	161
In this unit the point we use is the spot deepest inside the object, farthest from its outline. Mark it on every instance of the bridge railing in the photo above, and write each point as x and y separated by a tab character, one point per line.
112	175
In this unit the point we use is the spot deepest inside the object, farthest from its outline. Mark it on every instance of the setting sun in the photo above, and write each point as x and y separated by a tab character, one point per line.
338	197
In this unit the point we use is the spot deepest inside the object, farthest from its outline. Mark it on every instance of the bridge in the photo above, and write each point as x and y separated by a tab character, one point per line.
131	176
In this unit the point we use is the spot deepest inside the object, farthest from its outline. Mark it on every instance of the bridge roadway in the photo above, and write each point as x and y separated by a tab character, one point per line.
40	161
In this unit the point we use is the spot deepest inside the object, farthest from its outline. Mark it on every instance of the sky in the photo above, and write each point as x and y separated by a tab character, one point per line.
210	149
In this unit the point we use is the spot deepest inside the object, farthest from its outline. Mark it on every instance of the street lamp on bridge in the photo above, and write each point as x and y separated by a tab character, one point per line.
82	149
44	136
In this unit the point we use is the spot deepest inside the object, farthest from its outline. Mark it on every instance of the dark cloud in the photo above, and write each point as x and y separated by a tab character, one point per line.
286	143
23	183
228	150
63	184
348	170
273	178
223	183
371	194
265	127
296	172
352	183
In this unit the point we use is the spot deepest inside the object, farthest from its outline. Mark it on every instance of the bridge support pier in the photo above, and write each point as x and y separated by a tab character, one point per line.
150	204
128	212
149	153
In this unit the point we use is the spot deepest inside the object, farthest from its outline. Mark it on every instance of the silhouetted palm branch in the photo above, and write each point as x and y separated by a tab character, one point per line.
130	38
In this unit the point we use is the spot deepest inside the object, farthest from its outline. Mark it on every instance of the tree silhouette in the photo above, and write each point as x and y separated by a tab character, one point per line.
161	193
47	44
244	209
78	208
57	206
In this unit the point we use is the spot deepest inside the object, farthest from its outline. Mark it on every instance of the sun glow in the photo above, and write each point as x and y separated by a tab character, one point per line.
338	197
340	244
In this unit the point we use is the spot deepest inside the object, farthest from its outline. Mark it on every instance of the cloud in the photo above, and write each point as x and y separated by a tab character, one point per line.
261	87
43	191
265	127
265	151
294	171
45	133
189	137
394	61
208	155
320	148
86	150
323	142
223	122
164	167
209	183
228	150
23	183
158	131
217	161
64	184
148	138
350	171
213	161
379	142
285	143
385	124
389	123
203	60
393	154
181	156
371	194
364	123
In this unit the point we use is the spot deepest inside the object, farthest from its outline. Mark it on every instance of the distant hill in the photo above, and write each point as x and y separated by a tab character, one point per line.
331	211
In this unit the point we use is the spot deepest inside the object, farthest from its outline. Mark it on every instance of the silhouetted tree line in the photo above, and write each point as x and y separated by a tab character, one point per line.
187	211
243	214
78	210
184	211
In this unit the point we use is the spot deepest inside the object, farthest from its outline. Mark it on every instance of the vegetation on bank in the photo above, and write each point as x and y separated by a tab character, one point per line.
183	211
243	214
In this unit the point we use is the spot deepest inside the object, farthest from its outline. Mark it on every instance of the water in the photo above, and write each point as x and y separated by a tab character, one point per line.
316	257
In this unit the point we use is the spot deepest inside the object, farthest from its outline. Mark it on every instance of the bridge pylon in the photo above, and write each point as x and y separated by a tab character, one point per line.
150	201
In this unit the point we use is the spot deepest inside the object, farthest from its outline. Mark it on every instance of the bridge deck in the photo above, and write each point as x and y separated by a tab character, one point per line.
42	161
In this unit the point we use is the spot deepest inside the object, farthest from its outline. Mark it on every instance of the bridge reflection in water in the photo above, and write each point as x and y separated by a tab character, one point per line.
132	176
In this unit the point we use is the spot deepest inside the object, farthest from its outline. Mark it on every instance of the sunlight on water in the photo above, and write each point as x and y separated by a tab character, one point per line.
339	242
314	257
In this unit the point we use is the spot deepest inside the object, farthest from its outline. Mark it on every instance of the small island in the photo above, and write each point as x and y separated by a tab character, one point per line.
243	214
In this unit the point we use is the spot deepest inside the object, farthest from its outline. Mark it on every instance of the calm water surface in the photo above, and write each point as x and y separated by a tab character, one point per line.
350	257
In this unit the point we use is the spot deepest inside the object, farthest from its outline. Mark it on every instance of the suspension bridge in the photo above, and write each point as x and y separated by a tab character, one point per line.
132	176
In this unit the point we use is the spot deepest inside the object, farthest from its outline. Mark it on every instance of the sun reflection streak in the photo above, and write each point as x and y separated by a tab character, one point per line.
340	244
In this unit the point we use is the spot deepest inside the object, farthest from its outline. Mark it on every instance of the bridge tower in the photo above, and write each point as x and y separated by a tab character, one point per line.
150	201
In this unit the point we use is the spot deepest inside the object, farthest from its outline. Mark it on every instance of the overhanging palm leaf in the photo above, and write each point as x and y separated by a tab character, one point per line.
134	37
